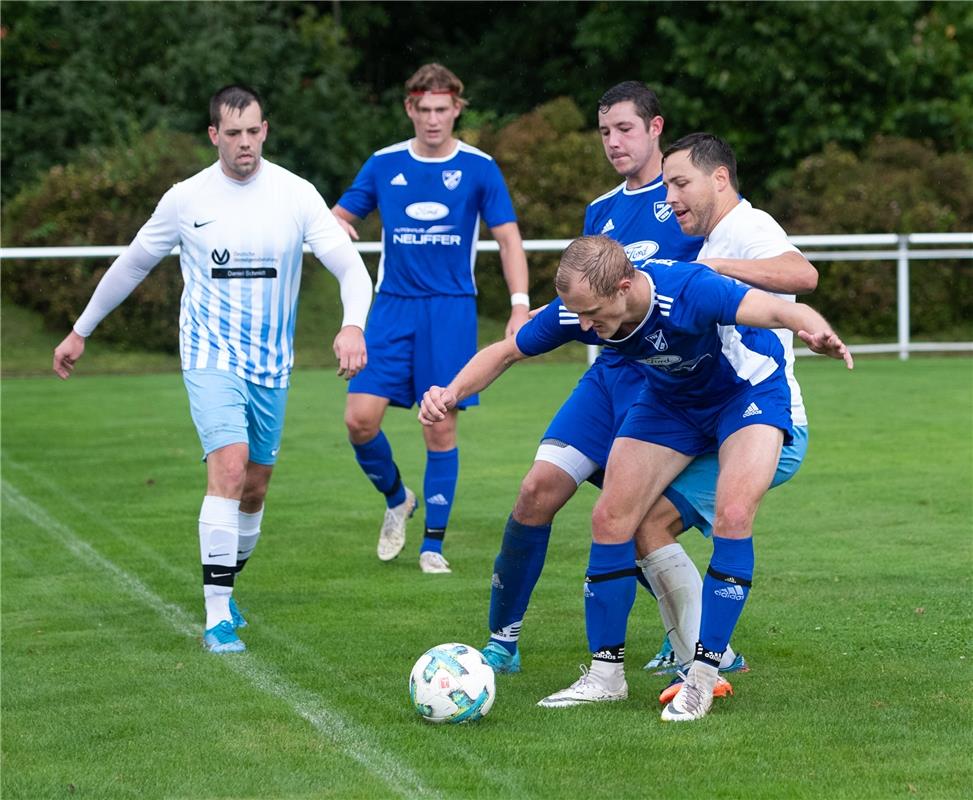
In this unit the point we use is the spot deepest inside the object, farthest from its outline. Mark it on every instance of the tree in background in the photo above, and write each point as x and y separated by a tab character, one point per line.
779	81
894	185
77	74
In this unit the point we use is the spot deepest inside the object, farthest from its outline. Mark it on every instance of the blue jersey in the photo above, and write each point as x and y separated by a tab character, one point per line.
431	210
693	353
643	223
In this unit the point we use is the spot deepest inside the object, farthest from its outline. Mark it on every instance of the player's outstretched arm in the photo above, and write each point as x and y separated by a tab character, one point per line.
480	371
762	310
127	272
514	262
787	273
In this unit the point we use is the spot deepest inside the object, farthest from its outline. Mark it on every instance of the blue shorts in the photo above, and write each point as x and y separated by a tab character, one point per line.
414	343
589	419
230	410
694	431
693	493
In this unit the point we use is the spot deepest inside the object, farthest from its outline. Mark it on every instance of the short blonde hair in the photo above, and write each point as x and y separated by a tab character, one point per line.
596	259
433	78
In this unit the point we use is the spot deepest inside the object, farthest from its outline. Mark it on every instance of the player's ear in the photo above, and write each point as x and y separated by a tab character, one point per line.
721	176
213	135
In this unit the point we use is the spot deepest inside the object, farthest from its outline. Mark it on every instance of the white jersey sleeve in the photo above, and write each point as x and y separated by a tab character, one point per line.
347	266
128	271
161	233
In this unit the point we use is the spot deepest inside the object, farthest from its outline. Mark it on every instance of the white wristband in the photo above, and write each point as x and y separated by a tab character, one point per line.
520	299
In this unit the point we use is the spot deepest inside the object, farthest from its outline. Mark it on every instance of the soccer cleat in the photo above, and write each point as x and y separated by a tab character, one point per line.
695	696
722	688
392	538
587	689
739	664
663	662
501	659
433	563
223	639
236	618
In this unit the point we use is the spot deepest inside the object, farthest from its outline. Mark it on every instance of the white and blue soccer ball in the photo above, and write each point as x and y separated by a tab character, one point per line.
452	683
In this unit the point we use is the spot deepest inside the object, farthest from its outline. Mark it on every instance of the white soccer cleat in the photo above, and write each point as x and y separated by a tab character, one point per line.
392	538
587	689
695	697
433	563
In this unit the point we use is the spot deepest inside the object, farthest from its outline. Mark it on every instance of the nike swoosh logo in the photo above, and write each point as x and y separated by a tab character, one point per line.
221	574
218	555
201	224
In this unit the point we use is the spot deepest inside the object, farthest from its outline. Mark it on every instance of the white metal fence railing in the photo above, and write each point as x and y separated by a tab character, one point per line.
903	249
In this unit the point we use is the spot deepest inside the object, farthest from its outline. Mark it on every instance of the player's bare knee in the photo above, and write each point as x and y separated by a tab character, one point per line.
229	477
609	524
734	519
537	502
362	428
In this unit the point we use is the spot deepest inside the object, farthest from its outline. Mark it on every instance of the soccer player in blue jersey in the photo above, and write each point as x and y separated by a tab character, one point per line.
575	446
241	225
635	214
714	381
431	192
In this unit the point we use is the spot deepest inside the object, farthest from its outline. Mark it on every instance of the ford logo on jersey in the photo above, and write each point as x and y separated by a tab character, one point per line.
426	211
640	251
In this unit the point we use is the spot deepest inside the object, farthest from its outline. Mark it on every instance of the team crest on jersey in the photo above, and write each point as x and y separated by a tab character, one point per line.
640	251
662	210
452	177
658	341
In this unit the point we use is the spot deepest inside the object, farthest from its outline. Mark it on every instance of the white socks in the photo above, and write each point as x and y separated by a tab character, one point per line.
219	533
677	586
610	674
249	534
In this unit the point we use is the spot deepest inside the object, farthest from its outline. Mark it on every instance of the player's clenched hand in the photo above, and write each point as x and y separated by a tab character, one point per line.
67	353
349	349
436	403
827	343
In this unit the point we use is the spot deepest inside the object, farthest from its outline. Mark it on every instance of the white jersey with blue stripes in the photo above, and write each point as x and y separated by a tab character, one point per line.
748	232
241	247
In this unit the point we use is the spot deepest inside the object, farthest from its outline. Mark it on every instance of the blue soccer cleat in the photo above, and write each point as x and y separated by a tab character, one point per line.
236	618
222	639
664	662
500	659
739	664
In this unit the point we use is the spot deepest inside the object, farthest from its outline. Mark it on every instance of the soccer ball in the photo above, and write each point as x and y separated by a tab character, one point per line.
452	683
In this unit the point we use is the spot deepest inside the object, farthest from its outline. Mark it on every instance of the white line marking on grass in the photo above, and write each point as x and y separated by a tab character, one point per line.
350	738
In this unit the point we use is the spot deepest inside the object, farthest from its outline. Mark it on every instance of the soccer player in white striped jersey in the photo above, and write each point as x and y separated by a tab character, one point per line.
241	225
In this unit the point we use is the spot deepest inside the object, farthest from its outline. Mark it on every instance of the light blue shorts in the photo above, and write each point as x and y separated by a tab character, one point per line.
230	410
693	493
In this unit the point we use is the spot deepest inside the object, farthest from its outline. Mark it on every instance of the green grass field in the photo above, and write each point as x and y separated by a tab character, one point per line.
858	629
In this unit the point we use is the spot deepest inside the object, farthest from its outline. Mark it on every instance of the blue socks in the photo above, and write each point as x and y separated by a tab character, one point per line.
375	459
609	593
515	572
725	590
439	488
